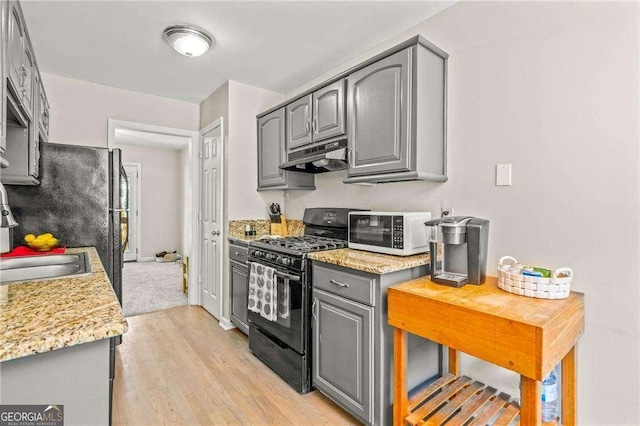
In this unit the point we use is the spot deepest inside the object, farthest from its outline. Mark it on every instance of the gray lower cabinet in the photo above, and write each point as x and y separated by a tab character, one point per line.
75	376
397	117
239	285
343	359
352	346
272	152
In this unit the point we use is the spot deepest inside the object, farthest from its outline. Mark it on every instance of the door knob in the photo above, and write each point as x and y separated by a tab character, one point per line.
215	233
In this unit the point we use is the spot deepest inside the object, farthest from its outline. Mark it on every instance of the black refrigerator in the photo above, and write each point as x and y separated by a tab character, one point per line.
81	200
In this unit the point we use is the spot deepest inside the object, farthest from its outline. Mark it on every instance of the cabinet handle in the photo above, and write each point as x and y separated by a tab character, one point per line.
349	160
307	126
313	310
236	253
339	283
315	125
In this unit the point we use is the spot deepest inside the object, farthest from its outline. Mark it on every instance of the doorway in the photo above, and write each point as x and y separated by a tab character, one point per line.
211	221
131	205
184	225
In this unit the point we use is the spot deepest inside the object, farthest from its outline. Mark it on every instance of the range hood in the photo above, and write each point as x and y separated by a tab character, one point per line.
327	157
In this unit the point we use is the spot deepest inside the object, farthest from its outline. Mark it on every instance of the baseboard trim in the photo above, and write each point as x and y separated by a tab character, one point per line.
226	324
147	259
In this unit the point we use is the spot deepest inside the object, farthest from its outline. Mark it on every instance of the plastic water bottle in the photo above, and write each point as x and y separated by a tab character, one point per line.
550	397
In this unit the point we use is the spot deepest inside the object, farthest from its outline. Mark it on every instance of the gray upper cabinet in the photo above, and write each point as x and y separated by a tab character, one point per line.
316	117
25	112
28	86
3	76
42	110
271	149
15	50
397	117
299	122
272	152
343	354
378	116
329	111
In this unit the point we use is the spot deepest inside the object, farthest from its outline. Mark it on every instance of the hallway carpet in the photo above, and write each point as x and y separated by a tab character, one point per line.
151	286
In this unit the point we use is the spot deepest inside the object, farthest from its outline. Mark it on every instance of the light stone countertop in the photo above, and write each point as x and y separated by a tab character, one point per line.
374	263
44	315
236	229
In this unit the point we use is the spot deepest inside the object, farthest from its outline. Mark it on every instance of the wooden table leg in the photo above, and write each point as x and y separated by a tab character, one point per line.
530	401
454	362
400	396
569	386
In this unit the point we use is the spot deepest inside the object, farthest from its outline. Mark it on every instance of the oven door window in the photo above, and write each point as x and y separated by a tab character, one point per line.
372	230
289	325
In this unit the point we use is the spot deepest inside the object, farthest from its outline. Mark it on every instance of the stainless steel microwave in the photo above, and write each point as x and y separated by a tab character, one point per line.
400	234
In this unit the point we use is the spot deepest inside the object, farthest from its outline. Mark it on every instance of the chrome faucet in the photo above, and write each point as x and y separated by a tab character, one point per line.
5	211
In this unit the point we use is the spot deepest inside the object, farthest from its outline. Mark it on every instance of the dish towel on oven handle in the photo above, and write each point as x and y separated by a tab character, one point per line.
263	291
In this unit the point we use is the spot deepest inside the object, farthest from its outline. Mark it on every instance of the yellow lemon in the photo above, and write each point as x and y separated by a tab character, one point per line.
29	237
46	236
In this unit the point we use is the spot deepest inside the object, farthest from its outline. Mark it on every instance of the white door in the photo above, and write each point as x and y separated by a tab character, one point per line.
211	222
130	204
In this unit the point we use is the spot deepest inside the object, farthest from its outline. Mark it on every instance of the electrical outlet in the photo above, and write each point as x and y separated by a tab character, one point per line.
446	211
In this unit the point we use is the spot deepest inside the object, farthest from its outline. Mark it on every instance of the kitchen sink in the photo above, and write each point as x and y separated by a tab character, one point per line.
44	267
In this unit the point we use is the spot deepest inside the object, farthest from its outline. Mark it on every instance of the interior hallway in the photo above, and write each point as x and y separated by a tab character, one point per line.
151	286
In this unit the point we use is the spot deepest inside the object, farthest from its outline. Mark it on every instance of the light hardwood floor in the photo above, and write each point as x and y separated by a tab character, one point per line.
171	373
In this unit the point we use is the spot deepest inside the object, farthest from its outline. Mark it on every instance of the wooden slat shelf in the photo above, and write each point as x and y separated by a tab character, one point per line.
453	400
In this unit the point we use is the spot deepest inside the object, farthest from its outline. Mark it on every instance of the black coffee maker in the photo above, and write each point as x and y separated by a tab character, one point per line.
465	242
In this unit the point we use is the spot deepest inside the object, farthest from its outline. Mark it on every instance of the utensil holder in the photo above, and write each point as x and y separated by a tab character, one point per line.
280	228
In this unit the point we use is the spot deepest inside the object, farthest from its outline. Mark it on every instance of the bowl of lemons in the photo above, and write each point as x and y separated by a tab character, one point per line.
43	242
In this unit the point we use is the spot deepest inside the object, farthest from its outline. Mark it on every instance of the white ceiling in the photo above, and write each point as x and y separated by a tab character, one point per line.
273	45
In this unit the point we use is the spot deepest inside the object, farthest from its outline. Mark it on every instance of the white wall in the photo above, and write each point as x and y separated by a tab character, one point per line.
553	89
245	102
80	110
162	190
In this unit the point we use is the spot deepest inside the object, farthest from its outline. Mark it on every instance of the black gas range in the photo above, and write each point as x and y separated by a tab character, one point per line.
284	344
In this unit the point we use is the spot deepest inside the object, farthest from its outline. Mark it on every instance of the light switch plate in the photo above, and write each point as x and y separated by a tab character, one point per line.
503	175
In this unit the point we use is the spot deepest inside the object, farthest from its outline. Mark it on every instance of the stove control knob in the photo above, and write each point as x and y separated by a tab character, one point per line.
286	261
253	252
279	259
258	253
270	256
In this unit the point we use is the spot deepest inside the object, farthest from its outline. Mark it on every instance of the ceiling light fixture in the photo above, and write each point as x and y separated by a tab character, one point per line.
188	40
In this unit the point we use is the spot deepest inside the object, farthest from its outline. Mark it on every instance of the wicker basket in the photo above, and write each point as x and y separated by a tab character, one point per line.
542	288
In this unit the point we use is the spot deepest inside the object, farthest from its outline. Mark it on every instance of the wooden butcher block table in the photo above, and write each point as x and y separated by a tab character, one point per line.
525	335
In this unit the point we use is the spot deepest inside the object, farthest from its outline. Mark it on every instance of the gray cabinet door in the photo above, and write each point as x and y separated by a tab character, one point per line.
343	352
42	108
329	111
28	80
3	75
271	149
15	51
238	274
299	122
379	122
